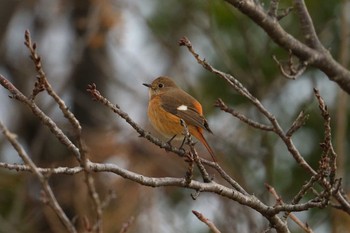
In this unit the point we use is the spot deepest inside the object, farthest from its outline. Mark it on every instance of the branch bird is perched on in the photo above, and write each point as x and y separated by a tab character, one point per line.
168	104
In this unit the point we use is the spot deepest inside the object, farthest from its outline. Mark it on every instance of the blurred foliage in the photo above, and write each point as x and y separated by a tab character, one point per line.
94	30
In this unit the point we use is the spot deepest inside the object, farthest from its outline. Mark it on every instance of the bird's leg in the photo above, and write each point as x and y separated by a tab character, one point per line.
184	140
187	136
171	139
183	143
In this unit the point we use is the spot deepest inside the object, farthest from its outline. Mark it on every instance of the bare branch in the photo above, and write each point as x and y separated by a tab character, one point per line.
327	145
214	187
43	84
279	201
244	199
297	124
290	70
219	103
193	153
209	223
319	58
276	127
189	172
307	25
225	176
331	187
50	197
56	131
244	92
127	225
305	188
56	170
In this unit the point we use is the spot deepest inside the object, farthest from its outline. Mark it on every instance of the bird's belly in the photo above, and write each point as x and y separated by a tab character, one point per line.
165	123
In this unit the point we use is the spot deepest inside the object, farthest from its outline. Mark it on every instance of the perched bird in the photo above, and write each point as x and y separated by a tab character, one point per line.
168	104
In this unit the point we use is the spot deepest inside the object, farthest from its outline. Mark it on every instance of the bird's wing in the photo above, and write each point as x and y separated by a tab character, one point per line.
188	109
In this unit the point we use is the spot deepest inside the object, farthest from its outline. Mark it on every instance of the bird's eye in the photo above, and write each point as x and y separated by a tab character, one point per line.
160	85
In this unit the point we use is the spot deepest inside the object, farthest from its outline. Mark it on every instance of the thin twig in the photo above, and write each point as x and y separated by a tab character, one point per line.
297	124
327	145
189	172
193	153
90	183
209	223
126	226
291	71
108	199
42	83
279	201
219	103
50	197
302	192
46	120
225	176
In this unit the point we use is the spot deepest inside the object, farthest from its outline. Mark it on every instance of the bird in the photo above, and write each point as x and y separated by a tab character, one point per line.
168	104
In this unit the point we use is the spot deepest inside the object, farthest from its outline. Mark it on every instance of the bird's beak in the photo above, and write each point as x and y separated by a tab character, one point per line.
147	85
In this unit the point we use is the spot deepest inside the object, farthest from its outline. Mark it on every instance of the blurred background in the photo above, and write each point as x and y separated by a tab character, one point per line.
121	44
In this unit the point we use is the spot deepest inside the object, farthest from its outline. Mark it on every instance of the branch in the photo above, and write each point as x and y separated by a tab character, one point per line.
127	225
297	124
319	58
56	131
307	25
225	176
40	85
291	70
279	200
276	127
50	197
209	223
43	84
219	103
327	145
44	171
212	187
302	192
245	93
193	153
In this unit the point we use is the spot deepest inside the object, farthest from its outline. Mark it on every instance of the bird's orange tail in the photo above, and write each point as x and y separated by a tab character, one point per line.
199	135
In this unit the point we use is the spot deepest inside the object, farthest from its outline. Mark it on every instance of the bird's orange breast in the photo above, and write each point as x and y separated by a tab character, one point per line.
164	122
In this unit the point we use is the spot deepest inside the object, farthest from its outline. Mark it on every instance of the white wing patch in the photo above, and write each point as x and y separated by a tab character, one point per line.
182	108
